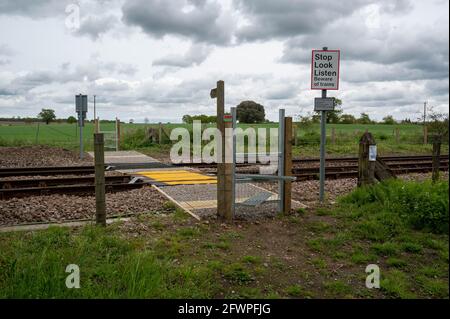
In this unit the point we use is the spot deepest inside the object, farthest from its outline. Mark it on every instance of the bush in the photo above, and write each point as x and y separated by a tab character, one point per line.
312	137
135	138
422	205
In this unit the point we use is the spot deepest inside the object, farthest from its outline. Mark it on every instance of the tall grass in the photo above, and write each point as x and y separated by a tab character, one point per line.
33	266
421	205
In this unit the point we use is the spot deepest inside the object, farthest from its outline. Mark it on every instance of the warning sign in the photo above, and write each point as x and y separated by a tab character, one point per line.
325	69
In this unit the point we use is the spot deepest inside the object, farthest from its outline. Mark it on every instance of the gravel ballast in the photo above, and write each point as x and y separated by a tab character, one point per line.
40	155
58	208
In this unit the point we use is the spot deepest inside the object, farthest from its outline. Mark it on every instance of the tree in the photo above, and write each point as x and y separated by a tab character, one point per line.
47	115
389	119
406	121
146	120
364	119
347	119
250	112
187	119
131	121
438	125
71	119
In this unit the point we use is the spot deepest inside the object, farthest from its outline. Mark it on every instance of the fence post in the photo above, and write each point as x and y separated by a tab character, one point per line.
160	133
99	158
287	164
37	133
436	158
219	94
96	125
228	173
397	135
366	166
117	134
425	135
333	135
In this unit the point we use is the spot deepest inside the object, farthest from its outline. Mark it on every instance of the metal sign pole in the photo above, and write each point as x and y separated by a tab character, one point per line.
324	76
323	120
80	123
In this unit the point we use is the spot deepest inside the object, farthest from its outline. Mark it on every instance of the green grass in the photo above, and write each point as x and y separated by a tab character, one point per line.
180	258
133	137
421	205
33	266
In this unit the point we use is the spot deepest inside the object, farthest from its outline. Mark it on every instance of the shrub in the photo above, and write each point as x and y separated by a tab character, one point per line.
423	205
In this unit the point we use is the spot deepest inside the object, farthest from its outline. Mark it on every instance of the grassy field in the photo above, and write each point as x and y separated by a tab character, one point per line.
318	253
133	137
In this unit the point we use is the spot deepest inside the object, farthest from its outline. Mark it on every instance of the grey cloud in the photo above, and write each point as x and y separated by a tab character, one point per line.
66	74
281	92
160	18
4	62
391	55
195	55
285	18
35	8
94	26
5	50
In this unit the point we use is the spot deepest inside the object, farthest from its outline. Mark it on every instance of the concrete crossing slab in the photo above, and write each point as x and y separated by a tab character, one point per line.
126	157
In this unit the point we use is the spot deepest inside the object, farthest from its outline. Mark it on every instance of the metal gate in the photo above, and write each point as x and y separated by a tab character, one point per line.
264	192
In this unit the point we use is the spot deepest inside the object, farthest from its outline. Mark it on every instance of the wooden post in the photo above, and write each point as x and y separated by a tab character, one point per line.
333	135
99	158
436	158
117	134
287	164
219	94
366	168
397	135
425	135
228	174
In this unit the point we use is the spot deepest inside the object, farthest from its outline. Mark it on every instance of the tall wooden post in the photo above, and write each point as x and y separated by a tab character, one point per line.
99	158
219	94
425	134
436	158
287	164
366	166
228	170
160	133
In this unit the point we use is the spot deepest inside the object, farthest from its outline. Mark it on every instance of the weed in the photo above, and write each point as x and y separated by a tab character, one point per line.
237	273
396	262
386	249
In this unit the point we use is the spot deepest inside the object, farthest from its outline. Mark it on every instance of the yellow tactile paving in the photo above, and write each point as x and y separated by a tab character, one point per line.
179	177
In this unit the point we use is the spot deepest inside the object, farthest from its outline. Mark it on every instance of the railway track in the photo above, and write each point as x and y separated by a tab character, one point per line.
299	161
44	171
48	182
80	185
396	164
86	184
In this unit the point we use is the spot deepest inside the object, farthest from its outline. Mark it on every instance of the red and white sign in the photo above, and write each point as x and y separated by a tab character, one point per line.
325	69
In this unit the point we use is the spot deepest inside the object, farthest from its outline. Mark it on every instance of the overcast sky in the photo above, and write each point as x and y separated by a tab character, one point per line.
160	58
